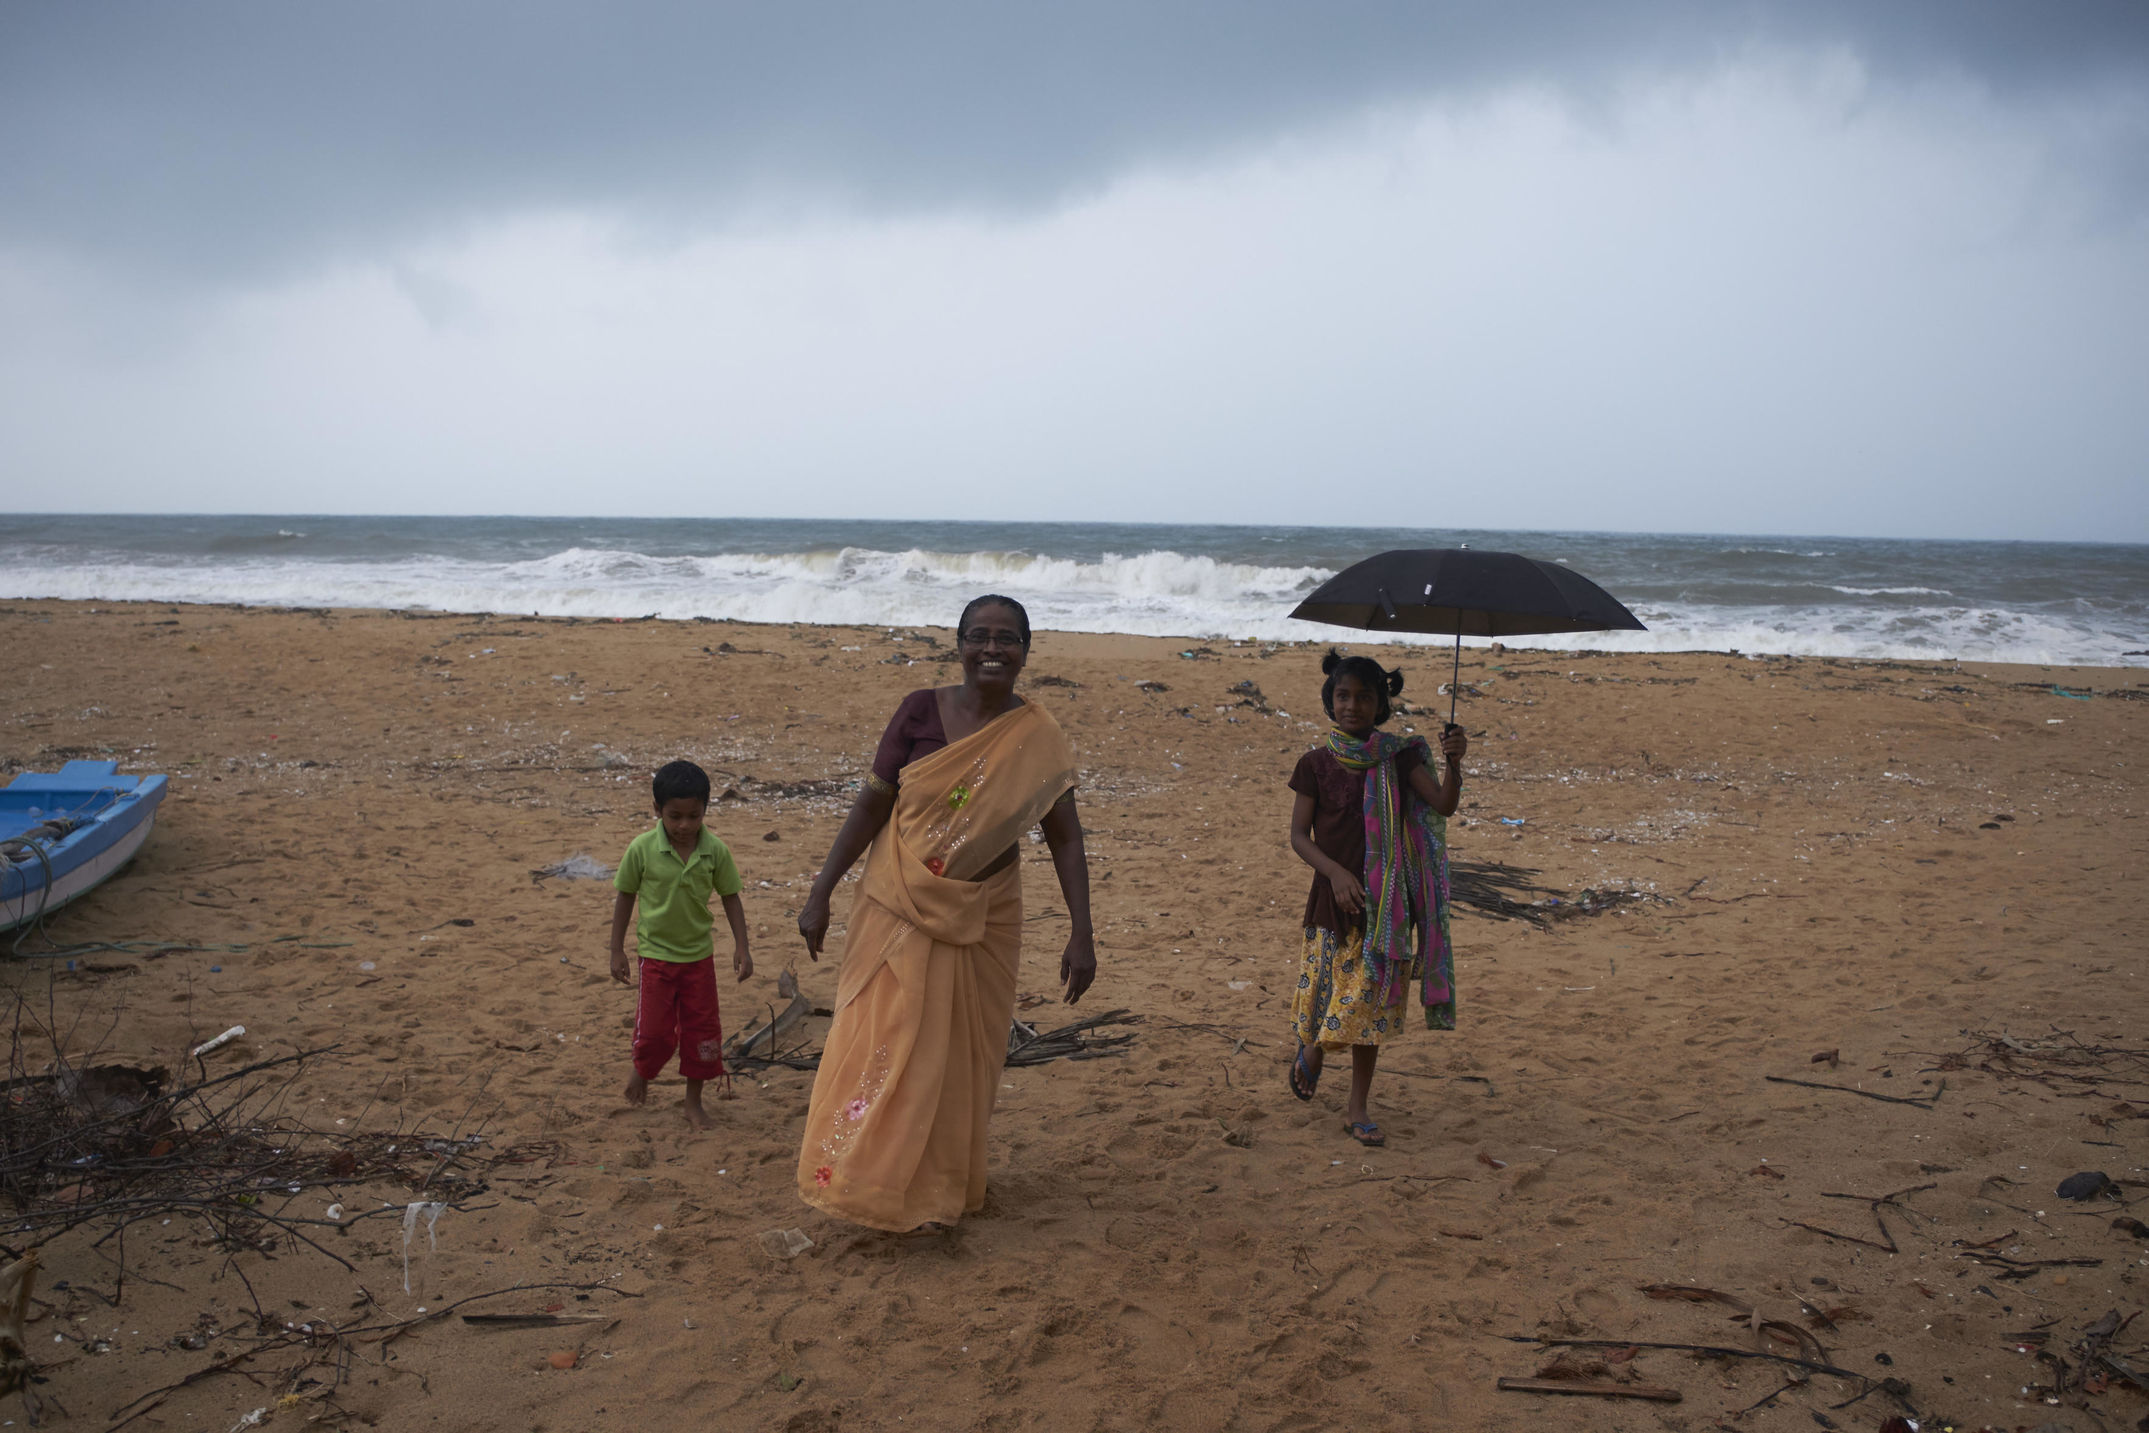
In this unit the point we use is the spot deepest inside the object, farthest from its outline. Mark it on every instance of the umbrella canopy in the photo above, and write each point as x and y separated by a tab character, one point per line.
1470	594
1459	592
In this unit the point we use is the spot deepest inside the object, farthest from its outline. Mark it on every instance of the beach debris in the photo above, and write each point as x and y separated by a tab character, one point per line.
772	835
2087	1185
1489	1162
1830	1058
2059	1061
2127	1224
1598	1387
1052	681
1695	1294
219	1042
1507	892
534	1321
769	1034
1150	685
1028	1046
1923	1102
563	1359
577	867
430	1210
785	1243
1513	821
1876	1203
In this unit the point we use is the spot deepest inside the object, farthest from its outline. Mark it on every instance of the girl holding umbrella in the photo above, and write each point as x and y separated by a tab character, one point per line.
1370	817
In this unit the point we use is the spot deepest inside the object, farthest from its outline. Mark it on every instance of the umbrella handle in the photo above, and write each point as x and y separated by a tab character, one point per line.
1455	680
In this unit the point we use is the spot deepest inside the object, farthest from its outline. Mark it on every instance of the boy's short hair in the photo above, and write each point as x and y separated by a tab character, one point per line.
677	779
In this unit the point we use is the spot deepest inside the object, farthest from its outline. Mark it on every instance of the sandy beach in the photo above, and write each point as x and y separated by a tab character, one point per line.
1923	870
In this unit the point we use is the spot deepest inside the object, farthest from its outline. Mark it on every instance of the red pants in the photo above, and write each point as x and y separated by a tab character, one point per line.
677	1011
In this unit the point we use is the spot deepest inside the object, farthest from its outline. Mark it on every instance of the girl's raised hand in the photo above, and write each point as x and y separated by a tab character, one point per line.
1454	743
1350	892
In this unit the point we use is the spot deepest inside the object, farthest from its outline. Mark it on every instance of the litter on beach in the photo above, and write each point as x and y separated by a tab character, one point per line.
577	867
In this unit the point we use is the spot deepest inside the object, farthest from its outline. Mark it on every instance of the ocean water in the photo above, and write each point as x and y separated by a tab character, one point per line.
2060	603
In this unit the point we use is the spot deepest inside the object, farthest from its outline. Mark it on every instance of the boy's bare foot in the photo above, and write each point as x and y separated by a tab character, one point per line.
637	1091
695	1114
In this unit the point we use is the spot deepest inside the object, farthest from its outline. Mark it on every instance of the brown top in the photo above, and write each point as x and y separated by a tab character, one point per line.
914	731
1339	824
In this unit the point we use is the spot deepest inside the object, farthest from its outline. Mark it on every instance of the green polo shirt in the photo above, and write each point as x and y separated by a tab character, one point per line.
671	896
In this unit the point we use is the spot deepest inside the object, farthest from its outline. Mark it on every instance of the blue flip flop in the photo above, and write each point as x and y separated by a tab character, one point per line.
1304	1079
1368	1134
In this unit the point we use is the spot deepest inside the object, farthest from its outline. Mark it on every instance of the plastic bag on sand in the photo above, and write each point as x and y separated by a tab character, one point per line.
786	1243
577	867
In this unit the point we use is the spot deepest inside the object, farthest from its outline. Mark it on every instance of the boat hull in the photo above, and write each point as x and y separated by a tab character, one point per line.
112	815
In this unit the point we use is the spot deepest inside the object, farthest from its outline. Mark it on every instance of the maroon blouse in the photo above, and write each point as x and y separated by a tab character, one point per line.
1339	824
914	731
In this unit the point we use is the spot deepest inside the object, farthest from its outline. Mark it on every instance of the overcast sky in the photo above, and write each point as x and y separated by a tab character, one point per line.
1858	267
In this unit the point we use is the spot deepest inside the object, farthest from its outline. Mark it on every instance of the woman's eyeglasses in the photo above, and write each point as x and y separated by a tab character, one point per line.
985	637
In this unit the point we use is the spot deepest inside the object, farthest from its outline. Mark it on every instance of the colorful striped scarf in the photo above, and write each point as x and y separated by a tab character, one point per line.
1406	877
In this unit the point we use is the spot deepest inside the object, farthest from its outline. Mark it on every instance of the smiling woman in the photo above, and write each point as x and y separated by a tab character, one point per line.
895	1136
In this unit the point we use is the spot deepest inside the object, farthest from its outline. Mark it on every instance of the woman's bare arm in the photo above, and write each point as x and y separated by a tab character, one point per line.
868	814
1070	860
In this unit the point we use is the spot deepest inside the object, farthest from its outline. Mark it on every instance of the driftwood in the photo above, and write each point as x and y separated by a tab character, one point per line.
1026	1044
768	1037
1923	1102
1886	1243
1595	1387
1506	892
534	1321
2059	1061
1713	1350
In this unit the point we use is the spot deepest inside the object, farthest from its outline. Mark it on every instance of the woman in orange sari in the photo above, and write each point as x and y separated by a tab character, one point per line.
895	1136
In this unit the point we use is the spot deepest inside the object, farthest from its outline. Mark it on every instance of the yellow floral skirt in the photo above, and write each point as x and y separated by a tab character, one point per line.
1335	1004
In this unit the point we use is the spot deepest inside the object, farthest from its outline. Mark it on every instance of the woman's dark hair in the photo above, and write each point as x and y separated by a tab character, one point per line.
676	779
1368	673
994	599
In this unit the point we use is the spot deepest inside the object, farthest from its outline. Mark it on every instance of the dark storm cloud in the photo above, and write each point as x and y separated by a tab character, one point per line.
232	137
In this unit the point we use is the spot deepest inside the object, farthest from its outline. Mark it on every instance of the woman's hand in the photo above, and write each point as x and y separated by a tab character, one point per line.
1078	966
1349	891
813	923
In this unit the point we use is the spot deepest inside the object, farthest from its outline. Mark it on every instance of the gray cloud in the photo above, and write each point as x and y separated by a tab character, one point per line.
232	139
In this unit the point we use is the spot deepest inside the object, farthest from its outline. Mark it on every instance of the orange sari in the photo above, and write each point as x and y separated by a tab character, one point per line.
895	1136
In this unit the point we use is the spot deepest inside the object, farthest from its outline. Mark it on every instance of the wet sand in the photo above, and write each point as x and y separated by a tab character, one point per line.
1902	863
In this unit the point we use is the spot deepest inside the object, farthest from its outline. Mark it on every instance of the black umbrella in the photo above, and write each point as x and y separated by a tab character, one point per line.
1471	594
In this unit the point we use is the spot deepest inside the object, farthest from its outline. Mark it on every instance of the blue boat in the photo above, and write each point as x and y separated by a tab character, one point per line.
63	832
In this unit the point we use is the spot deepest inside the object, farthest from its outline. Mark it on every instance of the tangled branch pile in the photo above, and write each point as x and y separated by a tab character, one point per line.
109	1145
2059	1061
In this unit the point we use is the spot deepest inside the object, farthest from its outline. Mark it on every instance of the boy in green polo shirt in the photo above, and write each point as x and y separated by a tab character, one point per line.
671	870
